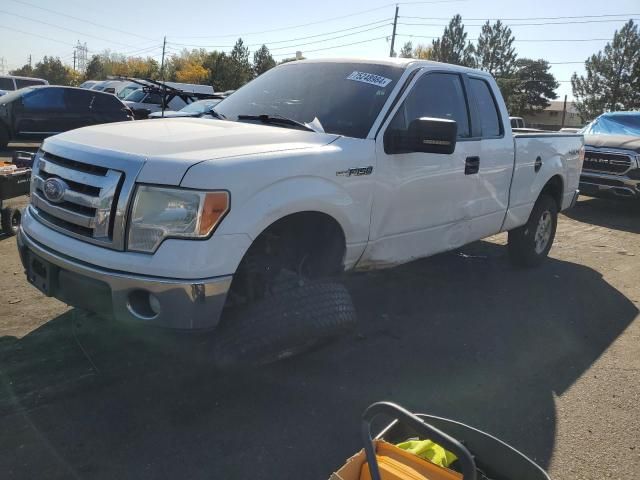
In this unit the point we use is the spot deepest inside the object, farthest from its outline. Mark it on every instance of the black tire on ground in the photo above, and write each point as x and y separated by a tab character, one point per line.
297	316
529	245
10	220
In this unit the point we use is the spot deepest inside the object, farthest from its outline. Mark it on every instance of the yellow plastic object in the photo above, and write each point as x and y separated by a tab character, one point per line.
429	451
398	464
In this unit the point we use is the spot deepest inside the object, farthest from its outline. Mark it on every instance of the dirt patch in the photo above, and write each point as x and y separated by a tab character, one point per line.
547	359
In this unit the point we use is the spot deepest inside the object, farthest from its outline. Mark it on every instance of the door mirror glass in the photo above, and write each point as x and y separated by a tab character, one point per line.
427	135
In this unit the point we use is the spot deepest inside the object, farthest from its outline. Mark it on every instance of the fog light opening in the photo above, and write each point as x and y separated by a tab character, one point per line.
143	305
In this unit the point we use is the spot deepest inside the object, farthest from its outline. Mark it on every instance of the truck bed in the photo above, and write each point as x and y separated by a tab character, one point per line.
536	155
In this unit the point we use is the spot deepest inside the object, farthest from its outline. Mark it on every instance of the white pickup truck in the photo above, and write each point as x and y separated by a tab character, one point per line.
316	166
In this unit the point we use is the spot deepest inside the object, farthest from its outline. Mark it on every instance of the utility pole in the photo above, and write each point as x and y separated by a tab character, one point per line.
3	66
564	111
29	60
164	88
74	59
393	35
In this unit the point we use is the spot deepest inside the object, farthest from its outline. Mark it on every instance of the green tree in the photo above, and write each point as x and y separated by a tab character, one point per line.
52	70
453	46
612	80
95	69
241	71
494	51
407	50
531	88
24	71
262	60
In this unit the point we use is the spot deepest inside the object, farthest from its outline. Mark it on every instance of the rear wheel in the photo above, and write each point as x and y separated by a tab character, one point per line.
529	245
11	218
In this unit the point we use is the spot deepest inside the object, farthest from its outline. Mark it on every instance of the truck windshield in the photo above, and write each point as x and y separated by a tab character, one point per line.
344	98
623	124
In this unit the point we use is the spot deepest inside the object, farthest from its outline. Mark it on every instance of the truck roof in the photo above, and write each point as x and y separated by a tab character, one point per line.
393	61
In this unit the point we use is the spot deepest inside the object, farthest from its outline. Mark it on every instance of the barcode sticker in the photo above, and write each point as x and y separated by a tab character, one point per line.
370	78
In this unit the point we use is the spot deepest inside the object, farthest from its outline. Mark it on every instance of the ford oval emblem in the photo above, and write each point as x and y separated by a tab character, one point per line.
54	189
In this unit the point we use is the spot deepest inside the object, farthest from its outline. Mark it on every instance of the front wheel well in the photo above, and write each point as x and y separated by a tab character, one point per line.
311	244
555	188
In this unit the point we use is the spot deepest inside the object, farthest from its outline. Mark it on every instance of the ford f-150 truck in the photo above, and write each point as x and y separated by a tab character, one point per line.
316	167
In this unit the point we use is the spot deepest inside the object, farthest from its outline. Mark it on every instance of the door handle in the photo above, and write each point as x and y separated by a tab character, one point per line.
537	165
471	165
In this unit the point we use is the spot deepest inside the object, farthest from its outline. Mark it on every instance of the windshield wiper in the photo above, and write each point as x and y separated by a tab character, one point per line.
215	114
277	120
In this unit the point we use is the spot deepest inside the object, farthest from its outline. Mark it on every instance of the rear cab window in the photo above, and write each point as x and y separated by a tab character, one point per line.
489	118
45	99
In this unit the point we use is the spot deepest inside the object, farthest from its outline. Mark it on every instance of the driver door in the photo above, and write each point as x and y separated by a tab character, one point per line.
421	199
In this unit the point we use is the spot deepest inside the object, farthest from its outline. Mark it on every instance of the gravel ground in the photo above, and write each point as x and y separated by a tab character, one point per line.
546	359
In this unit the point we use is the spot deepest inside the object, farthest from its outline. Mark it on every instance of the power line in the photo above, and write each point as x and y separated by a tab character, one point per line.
80	19
64	28
532	18
386	22
317	22
334	46
523	40
37	35
511	25
293	45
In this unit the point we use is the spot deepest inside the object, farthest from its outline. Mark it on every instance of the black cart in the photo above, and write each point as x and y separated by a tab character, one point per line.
480	455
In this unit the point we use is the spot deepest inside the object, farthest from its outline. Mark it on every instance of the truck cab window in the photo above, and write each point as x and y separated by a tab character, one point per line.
489	118
436	95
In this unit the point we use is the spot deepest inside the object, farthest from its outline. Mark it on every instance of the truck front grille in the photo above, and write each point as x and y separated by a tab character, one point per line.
615	163
88	199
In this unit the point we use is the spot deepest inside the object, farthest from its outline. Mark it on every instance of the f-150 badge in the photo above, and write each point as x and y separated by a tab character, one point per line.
355	172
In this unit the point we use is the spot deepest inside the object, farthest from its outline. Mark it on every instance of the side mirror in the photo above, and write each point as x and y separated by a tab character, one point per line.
427	135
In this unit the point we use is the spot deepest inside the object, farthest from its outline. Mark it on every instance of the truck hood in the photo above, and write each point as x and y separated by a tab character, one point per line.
613	141
168	147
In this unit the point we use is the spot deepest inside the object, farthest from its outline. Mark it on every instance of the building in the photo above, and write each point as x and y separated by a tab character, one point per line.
551	117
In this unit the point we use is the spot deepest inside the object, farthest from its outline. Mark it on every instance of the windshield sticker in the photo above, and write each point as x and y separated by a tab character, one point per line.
370	78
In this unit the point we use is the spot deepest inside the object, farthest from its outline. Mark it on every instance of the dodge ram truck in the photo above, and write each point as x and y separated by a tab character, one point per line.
612	156
316	166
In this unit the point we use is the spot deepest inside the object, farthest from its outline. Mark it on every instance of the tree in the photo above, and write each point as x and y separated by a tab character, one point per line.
52	70
423	52
612	80
453	46
23	71
494	51
95	69
192	72
241	71
531	88
262	60
407	50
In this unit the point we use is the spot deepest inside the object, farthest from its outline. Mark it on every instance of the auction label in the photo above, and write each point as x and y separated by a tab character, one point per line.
370	78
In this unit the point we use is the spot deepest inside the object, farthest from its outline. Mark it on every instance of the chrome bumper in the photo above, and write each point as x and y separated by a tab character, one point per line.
604	184
172	303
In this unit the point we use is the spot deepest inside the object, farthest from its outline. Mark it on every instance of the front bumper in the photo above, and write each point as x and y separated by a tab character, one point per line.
180	304
607	185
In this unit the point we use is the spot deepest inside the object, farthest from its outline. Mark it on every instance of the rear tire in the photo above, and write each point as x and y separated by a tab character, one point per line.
11	218
299	315
529	245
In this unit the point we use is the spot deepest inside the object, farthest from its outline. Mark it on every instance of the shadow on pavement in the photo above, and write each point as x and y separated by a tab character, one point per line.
459	335
609	213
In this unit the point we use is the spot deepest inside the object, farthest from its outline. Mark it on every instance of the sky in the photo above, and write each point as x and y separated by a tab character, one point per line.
327	28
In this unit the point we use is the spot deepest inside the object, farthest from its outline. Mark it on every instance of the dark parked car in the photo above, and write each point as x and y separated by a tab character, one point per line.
612	156
33	113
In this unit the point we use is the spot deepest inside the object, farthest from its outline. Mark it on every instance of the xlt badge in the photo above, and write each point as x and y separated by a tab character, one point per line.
355	172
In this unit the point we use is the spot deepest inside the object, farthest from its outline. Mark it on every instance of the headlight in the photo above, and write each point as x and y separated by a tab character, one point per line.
160	212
